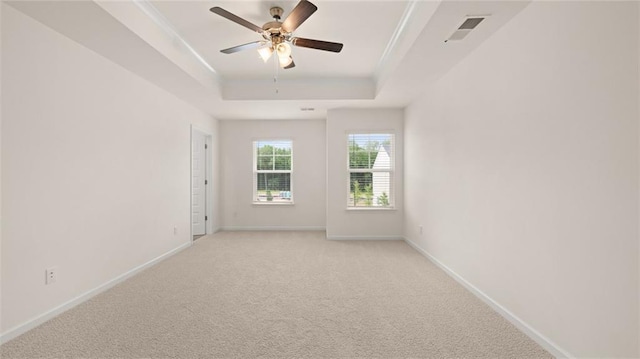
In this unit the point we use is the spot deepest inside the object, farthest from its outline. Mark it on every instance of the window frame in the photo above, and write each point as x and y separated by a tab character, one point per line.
256	171
391	171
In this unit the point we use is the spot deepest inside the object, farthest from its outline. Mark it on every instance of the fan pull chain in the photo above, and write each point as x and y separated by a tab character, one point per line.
275	76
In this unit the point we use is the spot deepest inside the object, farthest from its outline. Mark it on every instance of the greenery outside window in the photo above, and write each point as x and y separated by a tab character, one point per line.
272	169
371	165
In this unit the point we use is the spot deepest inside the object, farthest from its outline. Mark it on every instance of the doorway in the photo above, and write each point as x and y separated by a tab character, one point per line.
201	208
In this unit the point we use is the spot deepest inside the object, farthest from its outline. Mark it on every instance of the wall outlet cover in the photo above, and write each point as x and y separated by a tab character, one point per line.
51	275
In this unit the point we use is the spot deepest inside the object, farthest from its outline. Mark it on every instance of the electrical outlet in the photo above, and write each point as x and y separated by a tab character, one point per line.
51	275
175	231
420	229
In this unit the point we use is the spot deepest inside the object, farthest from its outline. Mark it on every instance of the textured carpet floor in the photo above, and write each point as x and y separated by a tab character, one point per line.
281	294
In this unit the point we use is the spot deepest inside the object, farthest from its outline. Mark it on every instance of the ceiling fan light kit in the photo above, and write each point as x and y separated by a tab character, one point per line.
278	36
265	53
285	61
284	50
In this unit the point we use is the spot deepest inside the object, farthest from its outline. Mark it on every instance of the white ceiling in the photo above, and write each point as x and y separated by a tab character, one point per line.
365	29
392	49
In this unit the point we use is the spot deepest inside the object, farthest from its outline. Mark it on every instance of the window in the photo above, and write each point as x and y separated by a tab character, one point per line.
272	166
371	161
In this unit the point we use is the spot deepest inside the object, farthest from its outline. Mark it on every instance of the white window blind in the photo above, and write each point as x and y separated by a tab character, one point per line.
272	169
371	163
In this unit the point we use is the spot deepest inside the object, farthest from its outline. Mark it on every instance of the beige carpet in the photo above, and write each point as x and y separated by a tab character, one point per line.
281	294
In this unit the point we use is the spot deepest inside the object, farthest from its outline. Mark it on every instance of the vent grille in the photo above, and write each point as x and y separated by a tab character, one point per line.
465	28
470	23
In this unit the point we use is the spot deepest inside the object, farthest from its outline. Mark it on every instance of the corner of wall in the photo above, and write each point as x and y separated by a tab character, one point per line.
1	6
638	144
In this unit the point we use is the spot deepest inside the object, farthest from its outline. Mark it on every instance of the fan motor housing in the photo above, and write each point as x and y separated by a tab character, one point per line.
273	27
276	12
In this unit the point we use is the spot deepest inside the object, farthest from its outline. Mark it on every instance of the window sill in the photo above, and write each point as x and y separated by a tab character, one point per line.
269	203
370	209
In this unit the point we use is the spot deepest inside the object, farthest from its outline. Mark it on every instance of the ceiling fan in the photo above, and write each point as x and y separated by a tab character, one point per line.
278	36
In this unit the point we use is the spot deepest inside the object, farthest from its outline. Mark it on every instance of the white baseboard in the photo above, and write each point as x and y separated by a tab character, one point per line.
536	336
271	228
365	238
30	324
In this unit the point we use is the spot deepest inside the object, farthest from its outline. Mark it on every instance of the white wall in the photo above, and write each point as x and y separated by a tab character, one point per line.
308	181
522	164
95	169
366	223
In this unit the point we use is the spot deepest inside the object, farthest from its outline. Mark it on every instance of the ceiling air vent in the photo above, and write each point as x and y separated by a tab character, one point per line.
469	23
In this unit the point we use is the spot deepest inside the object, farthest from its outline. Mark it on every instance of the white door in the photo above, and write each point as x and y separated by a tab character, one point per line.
198	183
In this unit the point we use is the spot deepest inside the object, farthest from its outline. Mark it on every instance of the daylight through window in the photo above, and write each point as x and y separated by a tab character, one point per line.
371	161
272	167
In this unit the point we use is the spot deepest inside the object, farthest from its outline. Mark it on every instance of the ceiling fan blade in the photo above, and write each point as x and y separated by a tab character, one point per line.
298	15
237	19
291	65
317	44
247	46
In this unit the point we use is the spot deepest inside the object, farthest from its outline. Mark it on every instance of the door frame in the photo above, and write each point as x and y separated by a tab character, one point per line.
208	193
